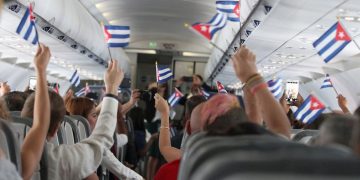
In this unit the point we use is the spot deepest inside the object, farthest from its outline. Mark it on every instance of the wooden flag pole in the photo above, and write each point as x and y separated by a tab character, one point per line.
157	75
337	93
109	52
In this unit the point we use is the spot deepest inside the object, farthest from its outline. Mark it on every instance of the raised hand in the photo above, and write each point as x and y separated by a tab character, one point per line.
42	58
113	77
135	96
343	104
161	105
244	63
4	88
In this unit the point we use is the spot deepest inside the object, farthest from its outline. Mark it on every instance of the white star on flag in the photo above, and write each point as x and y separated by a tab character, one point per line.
341	35
203	28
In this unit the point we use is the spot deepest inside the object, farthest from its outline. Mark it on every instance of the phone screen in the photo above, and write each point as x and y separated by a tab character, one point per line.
32	83
292	91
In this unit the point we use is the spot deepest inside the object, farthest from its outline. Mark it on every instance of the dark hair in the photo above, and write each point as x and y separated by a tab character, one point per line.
80	106
57	109
199	76
191	103
224	124
15	100
136	115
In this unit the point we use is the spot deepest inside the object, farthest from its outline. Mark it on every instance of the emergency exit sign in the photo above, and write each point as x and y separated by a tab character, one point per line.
152	44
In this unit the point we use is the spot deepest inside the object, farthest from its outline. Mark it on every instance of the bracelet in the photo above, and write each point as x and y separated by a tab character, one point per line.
254	82
258	87
164	127
251	79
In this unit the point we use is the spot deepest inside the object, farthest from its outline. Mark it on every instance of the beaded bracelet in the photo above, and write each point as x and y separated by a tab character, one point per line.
251	79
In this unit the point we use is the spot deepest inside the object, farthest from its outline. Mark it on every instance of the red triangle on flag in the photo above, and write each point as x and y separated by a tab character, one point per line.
237	9
341	34
219	85
315	104
178	93
203	29
107	34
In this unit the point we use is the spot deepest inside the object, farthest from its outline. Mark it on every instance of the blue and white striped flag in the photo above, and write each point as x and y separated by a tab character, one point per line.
27	28
205	94
175	97
117	36
209	29
327	82
163	74
75	79
276	88
229	7
309	110
332	42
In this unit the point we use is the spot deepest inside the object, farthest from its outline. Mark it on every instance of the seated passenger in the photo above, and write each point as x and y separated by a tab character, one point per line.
80	160
15	100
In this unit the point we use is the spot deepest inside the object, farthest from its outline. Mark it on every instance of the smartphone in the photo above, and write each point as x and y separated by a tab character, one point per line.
292	91
32	83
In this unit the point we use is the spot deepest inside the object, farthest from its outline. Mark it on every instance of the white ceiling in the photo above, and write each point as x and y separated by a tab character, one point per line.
283	43
160	21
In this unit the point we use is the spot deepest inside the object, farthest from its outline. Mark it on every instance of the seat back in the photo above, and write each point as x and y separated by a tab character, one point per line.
71	130
21	126
305	136
82	125
9	144
15	113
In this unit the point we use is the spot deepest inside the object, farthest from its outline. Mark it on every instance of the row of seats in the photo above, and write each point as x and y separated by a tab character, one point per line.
262	157
73	129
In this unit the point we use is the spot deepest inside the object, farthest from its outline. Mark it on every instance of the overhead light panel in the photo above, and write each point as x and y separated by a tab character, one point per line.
141	51
194	54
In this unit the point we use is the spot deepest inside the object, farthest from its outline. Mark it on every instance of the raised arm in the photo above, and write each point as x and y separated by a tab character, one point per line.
274	116
169	153
135	95
34	141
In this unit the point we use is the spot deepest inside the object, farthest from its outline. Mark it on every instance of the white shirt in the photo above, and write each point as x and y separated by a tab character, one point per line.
80	160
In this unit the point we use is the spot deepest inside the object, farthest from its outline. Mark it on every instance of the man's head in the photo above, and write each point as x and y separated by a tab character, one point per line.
336	130
57	111
15	100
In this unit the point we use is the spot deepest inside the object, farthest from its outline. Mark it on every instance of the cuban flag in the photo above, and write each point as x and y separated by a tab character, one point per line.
210	28
117	36
309	110
276	88
27	28
231	8
163	74
75	79
175	97
83	91
327	82
220	87
332	42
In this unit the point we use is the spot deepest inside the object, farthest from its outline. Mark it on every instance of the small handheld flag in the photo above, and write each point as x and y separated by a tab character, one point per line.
117	36
327	82
276	88
309	110
210	28
83	91
75	79
332	42
175	97
27	28
220	87
229	7
163	73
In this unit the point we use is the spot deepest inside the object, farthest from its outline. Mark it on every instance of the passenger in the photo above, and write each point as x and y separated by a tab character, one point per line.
81	160
336	132
355	139
343	104
4	88
170	153
33	144
4	111
15	100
